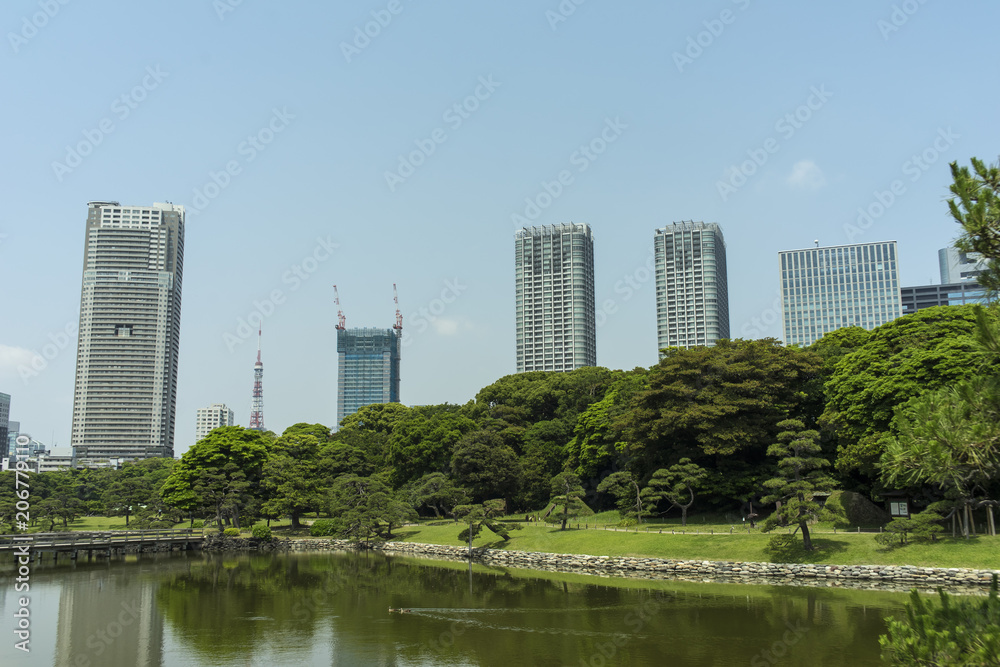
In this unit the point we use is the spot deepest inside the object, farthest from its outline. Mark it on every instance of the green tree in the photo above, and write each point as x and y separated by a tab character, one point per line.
291	476
950	438
800	478
975	206
914	354
957	631
482	515
439	492
625	488
422	444
676	484
720	403
220	474
361	505
485	465
567	495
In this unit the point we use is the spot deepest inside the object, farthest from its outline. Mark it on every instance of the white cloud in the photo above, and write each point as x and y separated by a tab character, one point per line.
12	358
446	326
806	175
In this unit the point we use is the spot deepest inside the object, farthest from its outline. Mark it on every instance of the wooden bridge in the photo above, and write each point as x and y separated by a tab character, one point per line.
103	543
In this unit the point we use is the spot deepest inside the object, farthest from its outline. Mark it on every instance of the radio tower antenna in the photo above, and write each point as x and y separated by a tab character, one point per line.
399	315
341	320
257	406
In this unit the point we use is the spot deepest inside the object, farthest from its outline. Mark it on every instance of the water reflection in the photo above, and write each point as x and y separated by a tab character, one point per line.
333	609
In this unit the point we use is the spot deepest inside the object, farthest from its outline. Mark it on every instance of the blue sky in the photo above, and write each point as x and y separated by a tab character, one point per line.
777	120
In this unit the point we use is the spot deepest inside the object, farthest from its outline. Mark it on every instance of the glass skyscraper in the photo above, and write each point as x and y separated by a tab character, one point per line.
692	290
823	289
554	298
367	369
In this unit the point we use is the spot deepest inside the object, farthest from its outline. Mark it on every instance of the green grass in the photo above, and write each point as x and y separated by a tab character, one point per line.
839	549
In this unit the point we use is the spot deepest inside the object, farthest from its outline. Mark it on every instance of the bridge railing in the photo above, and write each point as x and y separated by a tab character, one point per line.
92	537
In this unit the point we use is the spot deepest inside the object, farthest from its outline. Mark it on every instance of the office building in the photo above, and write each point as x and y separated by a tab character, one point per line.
4	422
13	428
913	299
823	289
130	308
368	368
692	290
554	298
959	267
212	417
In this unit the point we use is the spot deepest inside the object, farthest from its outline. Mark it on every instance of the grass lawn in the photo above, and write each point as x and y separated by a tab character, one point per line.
840	549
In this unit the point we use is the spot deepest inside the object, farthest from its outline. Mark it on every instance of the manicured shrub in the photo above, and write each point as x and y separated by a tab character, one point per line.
231	532
323	528
261	532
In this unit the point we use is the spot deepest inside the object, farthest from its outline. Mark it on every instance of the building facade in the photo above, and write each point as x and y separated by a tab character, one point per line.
959	267
913	299
4	423
367	369
130	306
823	289
212	417
692	289
556	328
13	429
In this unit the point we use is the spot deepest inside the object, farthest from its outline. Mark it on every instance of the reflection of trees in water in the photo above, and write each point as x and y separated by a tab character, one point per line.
257	600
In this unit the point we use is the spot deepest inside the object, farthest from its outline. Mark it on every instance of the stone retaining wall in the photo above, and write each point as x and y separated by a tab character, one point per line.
883	577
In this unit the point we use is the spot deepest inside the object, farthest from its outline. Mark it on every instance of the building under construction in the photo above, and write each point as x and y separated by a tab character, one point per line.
368	363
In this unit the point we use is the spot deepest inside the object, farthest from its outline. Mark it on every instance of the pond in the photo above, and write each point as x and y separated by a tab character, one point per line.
304	609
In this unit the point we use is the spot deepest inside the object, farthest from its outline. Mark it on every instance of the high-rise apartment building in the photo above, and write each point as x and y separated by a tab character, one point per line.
959	267
4	422
554	298
367	369
823	289
13	430
130	315
212	417
692	290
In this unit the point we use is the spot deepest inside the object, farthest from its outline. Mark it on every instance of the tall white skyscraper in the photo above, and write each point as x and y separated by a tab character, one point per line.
130	315
692	290
823	289
212	417
554	298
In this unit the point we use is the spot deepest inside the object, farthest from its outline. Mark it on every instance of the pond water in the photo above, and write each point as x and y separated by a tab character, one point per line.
306	609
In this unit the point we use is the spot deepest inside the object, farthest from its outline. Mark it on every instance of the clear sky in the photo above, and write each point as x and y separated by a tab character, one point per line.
778	120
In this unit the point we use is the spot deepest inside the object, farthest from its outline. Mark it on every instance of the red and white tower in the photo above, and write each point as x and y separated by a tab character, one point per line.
257	407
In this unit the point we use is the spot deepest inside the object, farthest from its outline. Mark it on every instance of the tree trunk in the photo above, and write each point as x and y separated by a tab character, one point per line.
989	521
295	521
807	543
684	516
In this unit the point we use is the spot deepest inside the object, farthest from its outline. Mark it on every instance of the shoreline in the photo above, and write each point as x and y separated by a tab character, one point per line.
900	578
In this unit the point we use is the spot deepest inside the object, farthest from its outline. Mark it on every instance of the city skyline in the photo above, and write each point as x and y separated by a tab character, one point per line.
301	167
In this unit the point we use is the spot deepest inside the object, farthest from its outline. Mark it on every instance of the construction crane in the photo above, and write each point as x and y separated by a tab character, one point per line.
399	316
341	320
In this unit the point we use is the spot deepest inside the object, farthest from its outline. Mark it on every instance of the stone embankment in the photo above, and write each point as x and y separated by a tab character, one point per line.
215	542
882	577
